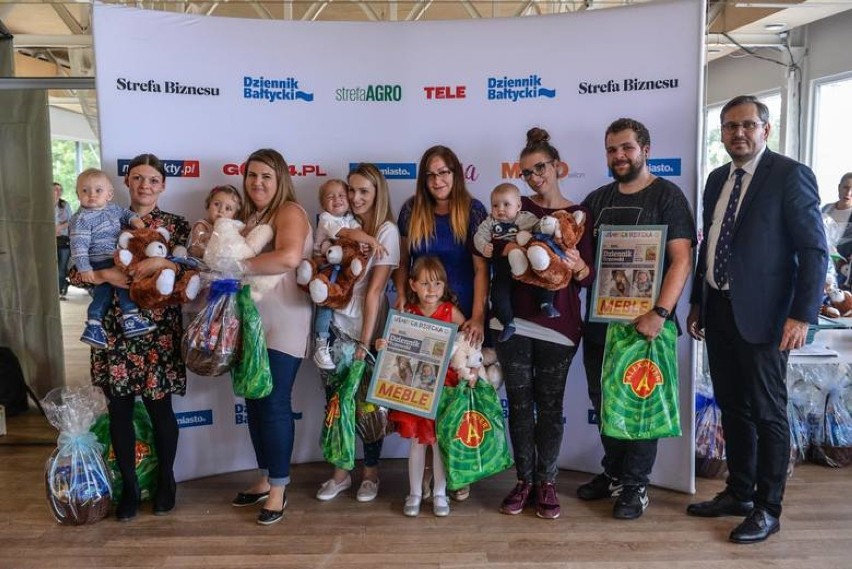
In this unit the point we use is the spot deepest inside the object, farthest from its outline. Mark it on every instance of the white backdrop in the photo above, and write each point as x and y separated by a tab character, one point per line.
202	93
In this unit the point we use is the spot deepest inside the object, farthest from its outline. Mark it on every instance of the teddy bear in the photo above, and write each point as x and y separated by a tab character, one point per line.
466	359
533	260
166	286
227	245
838	302
492	371
330	278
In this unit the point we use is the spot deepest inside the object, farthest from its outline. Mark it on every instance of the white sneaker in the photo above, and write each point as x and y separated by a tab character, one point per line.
412	506
322	356
330	488
368	491
440	506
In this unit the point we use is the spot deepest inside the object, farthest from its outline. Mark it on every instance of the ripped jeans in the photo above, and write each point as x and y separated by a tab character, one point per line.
535	373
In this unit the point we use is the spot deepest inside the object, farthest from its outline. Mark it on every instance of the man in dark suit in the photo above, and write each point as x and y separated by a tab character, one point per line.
758	283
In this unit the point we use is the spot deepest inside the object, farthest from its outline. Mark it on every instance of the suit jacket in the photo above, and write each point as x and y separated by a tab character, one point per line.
779	253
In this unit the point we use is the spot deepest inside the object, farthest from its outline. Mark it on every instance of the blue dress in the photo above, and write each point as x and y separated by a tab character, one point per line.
456	257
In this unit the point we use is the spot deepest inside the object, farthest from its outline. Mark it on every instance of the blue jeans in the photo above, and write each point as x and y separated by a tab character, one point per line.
102	295
270	420
322	322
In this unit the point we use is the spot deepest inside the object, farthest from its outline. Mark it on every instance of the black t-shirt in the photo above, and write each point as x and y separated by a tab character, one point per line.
659	203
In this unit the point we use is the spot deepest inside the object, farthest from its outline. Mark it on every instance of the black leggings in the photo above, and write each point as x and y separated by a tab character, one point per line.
123	435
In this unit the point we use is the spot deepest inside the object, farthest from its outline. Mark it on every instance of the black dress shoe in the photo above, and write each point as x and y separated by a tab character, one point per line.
758	526
249	499
164	499
128	506
269	517
724	504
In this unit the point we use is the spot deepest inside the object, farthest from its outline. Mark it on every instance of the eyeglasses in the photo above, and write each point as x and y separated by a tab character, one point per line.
538	170
748	126
443	174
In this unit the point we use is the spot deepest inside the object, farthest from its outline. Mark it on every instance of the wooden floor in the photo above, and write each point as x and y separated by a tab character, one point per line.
206	531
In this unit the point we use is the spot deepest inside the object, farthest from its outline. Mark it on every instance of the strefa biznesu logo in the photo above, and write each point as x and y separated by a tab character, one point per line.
173	168
516	88
274	90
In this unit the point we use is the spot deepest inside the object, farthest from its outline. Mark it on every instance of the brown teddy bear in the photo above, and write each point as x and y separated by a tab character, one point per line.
315	275
170	285
533	261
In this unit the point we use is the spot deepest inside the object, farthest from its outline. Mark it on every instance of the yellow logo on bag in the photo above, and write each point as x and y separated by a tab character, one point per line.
472	429
643	376
333	410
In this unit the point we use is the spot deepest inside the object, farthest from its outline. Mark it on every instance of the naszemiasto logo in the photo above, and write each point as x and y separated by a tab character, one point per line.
194	418
512	171
664	166
274	90
516	88
165	87
233	169
445	91
369	94
173	168
626	85
393	170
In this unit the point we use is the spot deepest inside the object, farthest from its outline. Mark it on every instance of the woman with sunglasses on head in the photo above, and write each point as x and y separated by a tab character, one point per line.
440	220
536	358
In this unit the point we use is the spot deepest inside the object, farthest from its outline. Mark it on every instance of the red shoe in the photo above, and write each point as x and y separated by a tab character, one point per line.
547	503
514	503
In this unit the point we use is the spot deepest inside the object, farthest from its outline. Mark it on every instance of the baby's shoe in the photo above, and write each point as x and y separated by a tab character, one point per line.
549	310
94	335
322	355
412	506
134	325
507	332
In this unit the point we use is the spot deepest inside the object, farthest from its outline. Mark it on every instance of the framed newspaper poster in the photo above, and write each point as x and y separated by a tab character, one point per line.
409	373
629	271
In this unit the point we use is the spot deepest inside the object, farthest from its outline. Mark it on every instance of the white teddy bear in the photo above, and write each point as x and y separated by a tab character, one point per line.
466	359
227	245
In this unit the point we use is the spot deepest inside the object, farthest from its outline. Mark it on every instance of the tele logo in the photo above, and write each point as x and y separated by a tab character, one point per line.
301	170
445	91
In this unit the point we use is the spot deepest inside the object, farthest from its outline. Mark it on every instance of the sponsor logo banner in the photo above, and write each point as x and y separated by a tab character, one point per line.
173	168
664	166
194	418
234	169
626	85
515	88
393	170
274	90
369	94
512	171
445	91
164	87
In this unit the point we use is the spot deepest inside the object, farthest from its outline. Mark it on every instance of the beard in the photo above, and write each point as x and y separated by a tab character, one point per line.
632	172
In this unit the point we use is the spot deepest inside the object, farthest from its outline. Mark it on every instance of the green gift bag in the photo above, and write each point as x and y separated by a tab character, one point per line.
146	457
639	384
471	433
252	376
338	429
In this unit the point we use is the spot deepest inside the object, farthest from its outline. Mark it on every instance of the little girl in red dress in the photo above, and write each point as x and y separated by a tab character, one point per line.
429	296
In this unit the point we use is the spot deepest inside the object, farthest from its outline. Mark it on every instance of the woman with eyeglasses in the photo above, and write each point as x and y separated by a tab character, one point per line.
440	220
536	358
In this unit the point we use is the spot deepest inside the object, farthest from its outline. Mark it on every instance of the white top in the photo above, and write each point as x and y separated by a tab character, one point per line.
350	317
722	205
330	225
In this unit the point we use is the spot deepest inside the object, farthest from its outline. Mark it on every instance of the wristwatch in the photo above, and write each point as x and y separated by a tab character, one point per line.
661	312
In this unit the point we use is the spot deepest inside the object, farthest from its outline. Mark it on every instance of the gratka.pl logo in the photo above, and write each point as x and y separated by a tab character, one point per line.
173	168
274	90
516	88
194	418
393	170
664	166
445	91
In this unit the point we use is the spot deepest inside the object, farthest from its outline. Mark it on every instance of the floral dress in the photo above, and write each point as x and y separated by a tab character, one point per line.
150	365
412	426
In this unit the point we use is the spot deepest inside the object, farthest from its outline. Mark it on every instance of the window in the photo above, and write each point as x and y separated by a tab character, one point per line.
832	123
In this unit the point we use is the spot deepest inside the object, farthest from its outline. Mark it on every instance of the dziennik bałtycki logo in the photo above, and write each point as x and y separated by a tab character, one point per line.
274	90
515	88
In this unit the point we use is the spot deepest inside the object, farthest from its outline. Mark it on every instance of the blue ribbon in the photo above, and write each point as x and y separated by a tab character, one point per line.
69	442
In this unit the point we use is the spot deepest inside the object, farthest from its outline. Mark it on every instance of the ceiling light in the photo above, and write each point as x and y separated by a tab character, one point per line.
777	27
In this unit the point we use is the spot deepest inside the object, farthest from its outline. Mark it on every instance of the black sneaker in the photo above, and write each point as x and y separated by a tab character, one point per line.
599	487
631	502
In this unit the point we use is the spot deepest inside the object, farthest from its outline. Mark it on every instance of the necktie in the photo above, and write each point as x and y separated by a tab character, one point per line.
723	245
